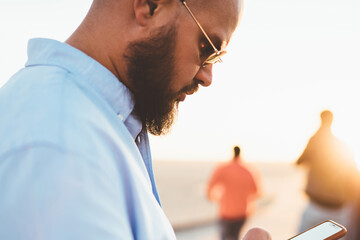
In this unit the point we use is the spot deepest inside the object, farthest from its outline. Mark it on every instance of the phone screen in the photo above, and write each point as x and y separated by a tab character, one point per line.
321	231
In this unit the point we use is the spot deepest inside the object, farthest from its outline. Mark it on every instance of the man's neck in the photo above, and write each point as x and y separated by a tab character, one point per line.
99	36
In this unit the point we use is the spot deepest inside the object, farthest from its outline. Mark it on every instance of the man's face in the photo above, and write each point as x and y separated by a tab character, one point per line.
166	66
151	69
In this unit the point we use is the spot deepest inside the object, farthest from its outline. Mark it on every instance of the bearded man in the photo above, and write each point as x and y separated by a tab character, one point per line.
75	161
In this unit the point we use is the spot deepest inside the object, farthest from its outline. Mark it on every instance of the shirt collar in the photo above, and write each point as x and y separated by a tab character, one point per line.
51	52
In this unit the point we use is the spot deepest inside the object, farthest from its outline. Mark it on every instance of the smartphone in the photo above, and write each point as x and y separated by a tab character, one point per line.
327	230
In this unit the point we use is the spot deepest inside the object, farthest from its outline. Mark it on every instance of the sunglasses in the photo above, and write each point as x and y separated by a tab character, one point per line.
215	57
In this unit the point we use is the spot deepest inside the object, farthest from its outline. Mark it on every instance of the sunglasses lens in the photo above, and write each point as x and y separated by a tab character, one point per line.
215	57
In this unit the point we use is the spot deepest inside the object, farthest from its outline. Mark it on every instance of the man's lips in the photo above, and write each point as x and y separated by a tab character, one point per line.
183	95
189	91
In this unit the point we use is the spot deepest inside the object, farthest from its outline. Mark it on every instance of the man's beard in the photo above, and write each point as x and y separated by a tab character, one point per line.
150	69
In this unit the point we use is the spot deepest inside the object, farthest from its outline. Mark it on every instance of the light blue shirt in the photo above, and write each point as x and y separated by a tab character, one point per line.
75	162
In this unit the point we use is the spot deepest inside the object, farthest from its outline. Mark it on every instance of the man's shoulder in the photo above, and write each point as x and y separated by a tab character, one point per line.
223	166
227	166
46	104
47	88
35	81
40	90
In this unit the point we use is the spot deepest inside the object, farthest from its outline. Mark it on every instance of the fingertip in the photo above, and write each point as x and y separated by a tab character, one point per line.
257	234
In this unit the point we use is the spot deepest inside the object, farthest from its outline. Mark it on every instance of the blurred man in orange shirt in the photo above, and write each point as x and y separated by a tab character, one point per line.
236	188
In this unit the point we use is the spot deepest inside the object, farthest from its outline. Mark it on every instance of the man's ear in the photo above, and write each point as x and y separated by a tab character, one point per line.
146	9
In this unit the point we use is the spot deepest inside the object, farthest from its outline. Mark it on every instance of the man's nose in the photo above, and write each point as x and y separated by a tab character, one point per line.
204	75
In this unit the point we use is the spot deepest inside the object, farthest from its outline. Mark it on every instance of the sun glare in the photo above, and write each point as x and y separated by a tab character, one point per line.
349	132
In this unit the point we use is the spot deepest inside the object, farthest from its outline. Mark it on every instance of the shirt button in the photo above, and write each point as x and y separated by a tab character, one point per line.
121	117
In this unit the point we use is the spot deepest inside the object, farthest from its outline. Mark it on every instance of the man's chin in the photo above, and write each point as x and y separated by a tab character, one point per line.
161	125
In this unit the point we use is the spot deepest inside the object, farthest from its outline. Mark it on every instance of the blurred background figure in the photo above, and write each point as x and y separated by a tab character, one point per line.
235	185
331	177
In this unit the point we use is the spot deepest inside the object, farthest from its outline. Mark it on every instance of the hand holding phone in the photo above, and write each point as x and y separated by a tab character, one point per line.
327	230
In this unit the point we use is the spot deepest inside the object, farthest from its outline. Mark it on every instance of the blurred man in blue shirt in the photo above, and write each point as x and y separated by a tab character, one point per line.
75	161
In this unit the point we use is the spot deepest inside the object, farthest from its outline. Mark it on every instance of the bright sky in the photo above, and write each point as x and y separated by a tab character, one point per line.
287	61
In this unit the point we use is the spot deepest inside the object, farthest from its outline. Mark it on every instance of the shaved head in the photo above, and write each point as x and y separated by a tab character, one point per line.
225	12
222	7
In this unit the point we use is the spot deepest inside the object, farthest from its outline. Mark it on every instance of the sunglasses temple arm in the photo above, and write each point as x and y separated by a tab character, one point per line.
203	31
